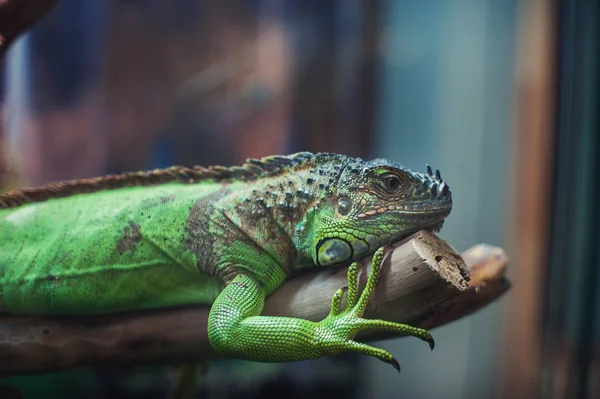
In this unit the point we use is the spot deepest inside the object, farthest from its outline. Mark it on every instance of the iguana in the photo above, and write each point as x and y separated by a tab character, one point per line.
226	236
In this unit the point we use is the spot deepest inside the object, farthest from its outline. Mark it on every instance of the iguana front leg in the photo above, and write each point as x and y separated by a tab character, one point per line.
235	326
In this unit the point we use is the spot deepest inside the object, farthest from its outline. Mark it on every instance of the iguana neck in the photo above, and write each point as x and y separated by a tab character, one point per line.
291	201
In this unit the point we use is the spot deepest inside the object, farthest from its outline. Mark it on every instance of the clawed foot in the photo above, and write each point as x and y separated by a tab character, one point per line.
338	329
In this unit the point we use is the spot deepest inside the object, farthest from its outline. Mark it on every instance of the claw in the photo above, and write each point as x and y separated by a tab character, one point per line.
431	343
429	171
395	364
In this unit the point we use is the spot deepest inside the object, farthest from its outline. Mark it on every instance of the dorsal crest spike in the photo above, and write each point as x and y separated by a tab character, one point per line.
251	170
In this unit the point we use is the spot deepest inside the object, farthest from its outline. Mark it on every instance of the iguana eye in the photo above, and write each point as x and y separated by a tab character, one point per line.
391	183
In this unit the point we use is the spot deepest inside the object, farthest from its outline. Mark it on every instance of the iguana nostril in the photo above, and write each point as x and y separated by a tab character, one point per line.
445	189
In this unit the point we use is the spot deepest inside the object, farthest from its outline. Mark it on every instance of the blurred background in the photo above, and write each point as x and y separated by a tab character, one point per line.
501	96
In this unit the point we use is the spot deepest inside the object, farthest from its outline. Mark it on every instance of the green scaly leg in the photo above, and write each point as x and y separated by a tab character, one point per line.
355	308
235	326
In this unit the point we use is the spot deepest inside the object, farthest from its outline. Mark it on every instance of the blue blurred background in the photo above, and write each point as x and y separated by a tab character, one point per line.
501	96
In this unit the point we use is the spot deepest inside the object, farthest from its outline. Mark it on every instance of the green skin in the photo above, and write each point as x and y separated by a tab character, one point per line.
227	239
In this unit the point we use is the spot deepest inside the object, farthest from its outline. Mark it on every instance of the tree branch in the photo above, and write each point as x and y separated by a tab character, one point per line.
16	16
423	282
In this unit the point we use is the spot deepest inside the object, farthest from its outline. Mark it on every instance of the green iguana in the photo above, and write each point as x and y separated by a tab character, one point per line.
221	236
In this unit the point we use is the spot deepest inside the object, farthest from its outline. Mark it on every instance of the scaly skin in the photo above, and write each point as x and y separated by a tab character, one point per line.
223	236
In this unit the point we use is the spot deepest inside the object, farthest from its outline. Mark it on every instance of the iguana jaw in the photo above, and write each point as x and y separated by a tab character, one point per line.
432	220
435	228
429	221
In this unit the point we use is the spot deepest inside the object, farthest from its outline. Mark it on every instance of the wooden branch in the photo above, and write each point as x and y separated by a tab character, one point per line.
423	281
487	266
16	16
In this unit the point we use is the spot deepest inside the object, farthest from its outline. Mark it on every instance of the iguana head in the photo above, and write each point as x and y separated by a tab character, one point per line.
373	204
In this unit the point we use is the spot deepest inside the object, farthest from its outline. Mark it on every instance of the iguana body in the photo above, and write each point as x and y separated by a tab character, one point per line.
221	236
